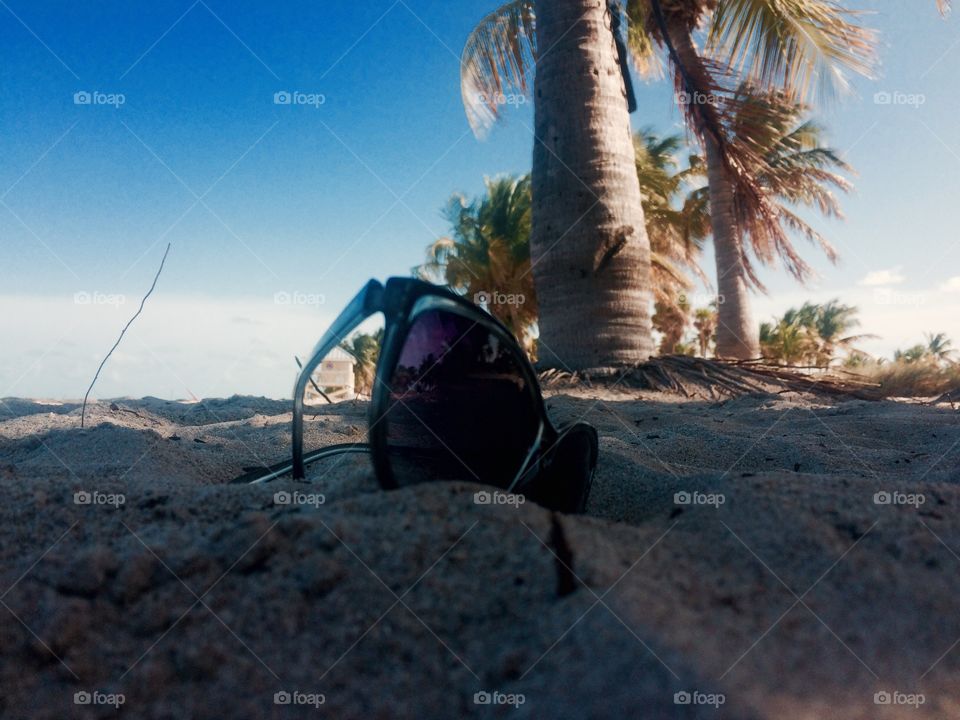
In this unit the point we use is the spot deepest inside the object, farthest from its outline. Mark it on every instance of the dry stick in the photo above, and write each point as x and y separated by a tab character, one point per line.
315	386
122	333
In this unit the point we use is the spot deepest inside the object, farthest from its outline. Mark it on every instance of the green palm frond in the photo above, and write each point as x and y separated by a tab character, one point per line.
496	60
795	45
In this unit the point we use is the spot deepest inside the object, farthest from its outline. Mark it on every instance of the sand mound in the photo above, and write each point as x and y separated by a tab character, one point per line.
734	551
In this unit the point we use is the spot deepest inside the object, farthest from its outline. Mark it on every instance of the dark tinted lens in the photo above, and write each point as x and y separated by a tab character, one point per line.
460	406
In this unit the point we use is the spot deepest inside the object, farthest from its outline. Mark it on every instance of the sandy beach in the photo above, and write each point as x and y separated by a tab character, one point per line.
735	550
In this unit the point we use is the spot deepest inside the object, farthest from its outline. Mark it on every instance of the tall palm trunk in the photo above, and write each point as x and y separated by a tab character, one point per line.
737	334
589	246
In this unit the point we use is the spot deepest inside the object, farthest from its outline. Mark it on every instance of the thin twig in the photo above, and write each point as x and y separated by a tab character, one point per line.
315	386
156	277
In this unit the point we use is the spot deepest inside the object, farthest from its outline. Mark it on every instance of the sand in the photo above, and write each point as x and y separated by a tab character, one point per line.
784	590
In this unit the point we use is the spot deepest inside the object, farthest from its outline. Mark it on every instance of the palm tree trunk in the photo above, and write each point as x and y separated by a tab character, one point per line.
737	334
589	248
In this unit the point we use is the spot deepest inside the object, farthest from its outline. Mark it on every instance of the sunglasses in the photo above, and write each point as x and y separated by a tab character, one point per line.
453	398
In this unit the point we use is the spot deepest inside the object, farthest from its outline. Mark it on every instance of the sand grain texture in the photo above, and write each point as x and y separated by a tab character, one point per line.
798	597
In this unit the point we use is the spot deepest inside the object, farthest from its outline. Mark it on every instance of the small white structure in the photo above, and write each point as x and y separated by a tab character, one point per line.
334	376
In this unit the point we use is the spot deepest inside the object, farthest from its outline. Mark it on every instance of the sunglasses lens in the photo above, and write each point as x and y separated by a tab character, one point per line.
460	406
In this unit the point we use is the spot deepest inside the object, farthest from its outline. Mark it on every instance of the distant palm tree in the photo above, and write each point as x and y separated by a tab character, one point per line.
811	334
705	323
487	257
833	321
365	349
671	320
678	220
939	347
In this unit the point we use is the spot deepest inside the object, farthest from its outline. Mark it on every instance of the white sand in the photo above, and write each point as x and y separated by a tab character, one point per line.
798	597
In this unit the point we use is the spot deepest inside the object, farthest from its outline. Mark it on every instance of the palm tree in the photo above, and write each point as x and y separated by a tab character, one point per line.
678	220
939	347
833	323
705	323
788	340
487	257
671	320
812	334
579	144
589	246
365	349
781	45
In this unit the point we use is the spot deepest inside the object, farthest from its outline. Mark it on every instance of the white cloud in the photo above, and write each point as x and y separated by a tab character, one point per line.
878	278
952	285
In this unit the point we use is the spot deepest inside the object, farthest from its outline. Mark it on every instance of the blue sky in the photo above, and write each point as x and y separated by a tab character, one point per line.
312	200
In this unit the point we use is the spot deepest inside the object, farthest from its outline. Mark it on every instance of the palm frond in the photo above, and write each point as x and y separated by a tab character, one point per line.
795	45
496	60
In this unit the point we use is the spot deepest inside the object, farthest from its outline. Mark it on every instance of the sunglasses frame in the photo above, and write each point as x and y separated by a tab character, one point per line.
402	300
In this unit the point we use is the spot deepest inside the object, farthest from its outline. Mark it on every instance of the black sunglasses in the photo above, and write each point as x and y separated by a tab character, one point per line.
454	398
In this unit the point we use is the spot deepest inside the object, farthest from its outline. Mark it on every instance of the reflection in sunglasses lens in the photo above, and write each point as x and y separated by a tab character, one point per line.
460	406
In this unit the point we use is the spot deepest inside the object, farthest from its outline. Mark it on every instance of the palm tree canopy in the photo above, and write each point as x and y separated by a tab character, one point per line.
677	222
488	252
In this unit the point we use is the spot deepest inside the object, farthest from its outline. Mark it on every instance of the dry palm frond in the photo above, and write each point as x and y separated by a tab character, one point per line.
712	379
497	58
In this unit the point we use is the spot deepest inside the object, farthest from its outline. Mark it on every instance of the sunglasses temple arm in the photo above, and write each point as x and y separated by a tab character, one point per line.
366	303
